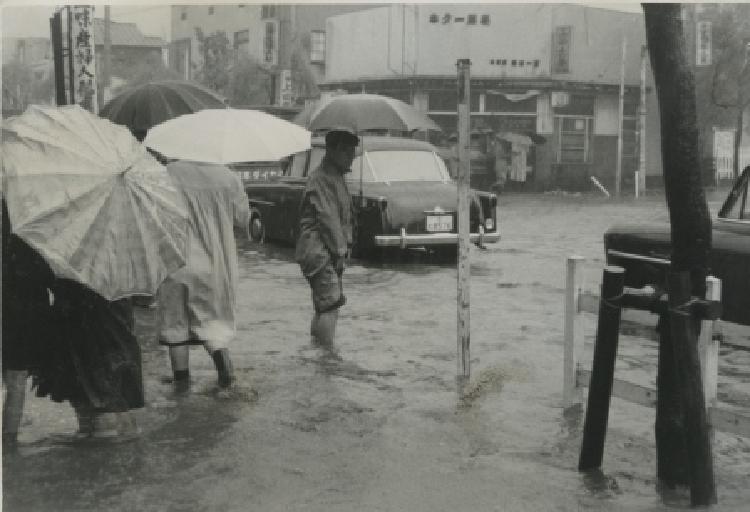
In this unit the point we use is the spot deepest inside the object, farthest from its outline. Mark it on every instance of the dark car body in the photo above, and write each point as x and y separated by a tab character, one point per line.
405	197
645	250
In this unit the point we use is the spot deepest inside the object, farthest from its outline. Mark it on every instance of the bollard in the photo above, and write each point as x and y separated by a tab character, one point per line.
602	370
684	326
709	347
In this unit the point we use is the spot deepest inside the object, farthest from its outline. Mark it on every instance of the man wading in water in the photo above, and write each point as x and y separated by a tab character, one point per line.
326	233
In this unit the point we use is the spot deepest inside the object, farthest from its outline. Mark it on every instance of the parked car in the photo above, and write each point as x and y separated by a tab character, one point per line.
645	250
402	194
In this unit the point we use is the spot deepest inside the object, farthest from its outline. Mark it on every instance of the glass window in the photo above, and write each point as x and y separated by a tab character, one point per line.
485	19
399	165
703	43
267	11
297	168
471	19
242	42
573	139
183	14
269	43
316	156
317	46
210	10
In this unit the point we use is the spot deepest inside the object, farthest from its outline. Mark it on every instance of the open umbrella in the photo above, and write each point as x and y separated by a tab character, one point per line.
226	136
90	199
360	112
141	107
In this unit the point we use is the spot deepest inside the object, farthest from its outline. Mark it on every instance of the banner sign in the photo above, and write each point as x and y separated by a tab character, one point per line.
84	57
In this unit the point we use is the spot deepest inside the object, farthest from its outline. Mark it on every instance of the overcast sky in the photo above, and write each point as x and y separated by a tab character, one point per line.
24	18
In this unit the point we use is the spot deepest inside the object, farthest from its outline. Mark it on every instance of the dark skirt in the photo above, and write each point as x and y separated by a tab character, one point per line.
94	360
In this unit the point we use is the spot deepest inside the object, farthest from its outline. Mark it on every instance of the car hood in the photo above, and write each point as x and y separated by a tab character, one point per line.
407	201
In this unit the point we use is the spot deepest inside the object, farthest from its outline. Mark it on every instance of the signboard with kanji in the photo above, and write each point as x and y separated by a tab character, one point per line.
84	59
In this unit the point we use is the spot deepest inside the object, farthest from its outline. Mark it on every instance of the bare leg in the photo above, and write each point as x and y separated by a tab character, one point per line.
15	396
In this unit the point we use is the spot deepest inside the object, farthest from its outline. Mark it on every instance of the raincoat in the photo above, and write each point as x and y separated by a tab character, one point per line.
197	302
325	219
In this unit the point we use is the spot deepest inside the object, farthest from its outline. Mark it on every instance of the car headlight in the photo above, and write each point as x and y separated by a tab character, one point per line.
489	224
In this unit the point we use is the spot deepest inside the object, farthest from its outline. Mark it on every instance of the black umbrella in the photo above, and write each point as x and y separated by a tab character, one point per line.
141	107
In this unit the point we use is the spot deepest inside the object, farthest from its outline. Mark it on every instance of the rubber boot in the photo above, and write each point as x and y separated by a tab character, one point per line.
15	396
224	367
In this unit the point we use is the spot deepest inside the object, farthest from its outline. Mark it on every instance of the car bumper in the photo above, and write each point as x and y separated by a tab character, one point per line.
405	239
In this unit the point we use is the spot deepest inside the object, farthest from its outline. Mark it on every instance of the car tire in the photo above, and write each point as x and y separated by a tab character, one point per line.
257	228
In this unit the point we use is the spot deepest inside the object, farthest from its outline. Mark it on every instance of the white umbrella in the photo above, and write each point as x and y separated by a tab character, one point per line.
225	136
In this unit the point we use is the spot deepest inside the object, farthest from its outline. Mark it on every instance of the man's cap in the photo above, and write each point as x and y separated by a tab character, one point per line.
339	136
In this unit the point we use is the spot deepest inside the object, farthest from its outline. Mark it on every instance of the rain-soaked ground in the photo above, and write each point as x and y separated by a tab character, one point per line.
378	426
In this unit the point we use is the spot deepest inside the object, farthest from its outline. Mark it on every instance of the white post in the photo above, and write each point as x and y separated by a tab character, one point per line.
618	164
708	348
573	345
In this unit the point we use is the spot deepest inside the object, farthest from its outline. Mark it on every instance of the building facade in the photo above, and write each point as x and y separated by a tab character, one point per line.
287	41
546	72
717	38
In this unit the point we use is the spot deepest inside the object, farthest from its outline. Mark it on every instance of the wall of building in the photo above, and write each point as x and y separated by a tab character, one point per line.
402	39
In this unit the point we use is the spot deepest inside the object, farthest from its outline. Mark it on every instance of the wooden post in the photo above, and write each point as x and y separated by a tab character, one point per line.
669	428
464	244
684	327
602	369
106	59
709	347
55	25
573	345
620	116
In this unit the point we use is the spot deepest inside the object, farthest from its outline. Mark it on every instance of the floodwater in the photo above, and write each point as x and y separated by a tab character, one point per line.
378	424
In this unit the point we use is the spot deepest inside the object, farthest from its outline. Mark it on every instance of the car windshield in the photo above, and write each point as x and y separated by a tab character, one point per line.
387	166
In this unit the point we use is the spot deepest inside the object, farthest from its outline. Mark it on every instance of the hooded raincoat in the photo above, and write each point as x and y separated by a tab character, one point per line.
197	302
325	219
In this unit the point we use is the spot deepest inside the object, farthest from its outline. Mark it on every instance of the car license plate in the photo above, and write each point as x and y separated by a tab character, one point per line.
439	223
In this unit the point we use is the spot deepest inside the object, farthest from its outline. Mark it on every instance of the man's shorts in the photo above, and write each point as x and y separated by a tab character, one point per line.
327	289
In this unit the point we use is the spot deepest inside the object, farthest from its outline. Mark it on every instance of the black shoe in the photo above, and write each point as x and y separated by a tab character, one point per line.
223	367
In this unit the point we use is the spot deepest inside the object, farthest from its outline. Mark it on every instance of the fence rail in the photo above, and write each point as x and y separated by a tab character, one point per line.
578	302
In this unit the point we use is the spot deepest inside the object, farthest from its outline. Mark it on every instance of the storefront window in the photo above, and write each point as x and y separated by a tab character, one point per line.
573	139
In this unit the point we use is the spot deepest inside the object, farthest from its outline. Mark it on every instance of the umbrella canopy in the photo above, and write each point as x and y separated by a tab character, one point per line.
226	136
359	112
91	200
144	106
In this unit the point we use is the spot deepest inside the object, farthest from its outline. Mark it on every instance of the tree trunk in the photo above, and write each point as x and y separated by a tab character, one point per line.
675	85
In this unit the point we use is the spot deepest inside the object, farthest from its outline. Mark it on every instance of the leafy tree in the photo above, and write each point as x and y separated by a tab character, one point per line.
217	60
250	83
151	69
21	88
729	86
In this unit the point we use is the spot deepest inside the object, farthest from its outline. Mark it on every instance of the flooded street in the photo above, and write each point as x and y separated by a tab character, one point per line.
379	426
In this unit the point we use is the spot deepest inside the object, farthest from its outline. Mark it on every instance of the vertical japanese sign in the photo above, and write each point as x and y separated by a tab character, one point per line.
286	93
84	59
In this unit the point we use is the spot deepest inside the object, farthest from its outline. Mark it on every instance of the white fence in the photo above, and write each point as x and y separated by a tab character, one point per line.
579	302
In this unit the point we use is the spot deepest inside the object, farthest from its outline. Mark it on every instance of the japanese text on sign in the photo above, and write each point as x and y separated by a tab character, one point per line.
84	59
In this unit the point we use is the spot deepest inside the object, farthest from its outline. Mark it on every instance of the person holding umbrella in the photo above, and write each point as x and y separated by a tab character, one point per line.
325	236
105	217
197	303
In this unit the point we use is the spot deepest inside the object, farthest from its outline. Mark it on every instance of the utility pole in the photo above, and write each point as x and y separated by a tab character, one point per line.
618	168
464	262
640	185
